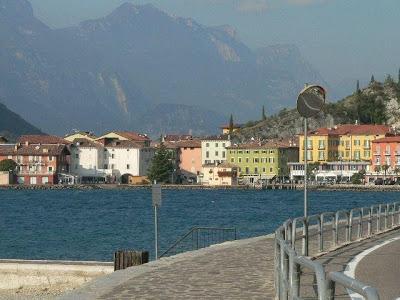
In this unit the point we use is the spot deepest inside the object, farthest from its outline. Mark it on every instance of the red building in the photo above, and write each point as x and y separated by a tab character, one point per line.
386	152
40	159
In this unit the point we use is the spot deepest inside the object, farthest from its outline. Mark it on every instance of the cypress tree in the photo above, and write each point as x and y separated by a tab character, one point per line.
372	78
358	86
231	124
398	80
264	116
161	165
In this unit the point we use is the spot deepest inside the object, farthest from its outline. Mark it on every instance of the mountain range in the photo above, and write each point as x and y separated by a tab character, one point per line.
139	68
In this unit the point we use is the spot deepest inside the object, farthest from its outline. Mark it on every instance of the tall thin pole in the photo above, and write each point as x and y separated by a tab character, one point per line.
305	169
156	230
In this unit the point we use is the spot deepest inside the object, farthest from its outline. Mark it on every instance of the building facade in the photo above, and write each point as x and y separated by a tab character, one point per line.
213	149
257	161
38	163
342	142
220	174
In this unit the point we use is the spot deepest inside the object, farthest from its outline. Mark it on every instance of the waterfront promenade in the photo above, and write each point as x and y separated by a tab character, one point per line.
243	270
234	270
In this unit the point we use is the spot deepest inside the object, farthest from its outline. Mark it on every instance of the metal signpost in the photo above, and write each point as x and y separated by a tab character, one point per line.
156	199
310	102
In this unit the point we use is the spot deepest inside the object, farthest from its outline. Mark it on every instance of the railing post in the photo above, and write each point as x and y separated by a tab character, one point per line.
386	216
349	231
336	237
294	274
277	267
360	224
321	232
330	289
305	237
370	212
379	218
284	273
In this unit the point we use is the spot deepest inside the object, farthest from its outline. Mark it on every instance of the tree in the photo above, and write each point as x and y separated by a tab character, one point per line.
372	78
358	86
264	116
231	124
7	165
377	169
385	167
161	168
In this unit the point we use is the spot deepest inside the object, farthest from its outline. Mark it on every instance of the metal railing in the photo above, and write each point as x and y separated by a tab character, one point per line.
201	237
297	241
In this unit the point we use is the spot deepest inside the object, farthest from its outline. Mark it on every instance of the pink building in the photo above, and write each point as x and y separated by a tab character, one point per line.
189	152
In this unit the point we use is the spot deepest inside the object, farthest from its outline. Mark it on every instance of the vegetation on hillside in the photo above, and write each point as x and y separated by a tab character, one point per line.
378	103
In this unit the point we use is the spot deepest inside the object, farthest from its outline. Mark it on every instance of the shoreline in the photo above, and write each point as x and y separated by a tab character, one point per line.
299	187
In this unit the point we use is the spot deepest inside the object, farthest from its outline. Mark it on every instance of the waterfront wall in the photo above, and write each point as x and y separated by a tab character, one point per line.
20	274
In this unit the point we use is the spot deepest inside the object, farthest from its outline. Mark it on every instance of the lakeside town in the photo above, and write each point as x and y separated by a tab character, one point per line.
350	153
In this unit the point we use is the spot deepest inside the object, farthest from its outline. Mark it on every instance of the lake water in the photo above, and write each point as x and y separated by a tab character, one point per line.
91	225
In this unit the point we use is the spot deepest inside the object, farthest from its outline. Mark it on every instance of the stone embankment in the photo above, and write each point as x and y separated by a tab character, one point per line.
32	279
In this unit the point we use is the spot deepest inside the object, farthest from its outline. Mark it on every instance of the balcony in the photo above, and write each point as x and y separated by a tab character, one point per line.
387	153
35	173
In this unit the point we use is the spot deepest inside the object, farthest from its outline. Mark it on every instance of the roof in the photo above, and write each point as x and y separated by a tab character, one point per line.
42	139
352	129
121	144
34	150
82	142
133	136
388	139
216	138
263	145
177	137
84	133
188	144
221	165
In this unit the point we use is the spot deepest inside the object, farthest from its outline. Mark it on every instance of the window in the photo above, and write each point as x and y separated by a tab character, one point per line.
50	169
239	159
223	154
216	153
255	170
256	152
321	144
321	155
309	155
256	160
232	160
378	160
50	158
207	154
9	157
105	166
356	154
367	153
76	155
112	155
264	170
240	152
128	166
270	170
357	143
347	144
247	159
247	170
216	145
347	153
223	145
76	166
112	166
207	144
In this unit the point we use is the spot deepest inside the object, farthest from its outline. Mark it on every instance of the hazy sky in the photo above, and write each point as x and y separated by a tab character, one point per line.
342	38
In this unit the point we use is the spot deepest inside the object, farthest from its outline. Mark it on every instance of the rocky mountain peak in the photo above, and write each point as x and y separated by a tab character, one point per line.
15	9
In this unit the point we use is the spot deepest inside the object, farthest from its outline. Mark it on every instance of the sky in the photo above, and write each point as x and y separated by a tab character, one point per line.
343	39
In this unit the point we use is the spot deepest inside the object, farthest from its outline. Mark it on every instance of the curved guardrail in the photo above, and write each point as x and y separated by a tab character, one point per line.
298	240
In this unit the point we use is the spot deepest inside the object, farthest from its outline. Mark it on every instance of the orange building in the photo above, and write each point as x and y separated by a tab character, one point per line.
386	152
189	153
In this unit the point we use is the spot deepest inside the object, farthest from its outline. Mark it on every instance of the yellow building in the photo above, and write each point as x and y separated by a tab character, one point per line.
225	128
342	142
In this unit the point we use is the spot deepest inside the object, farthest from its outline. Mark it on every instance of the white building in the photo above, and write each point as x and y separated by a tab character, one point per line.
109	160
213	149
219	174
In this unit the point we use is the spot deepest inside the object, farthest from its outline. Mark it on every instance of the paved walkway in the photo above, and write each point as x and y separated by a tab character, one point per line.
234	270
374	269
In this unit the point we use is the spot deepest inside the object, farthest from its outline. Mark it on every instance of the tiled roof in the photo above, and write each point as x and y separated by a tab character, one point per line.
84	133
352	129
265	145
86	143
216	138
34	150
188	144
388	139
177	137
121	144
42	139
133	136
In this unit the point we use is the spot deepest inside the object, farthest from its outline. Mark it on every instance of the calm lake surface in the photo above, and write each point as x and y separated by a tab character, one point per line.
91	225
